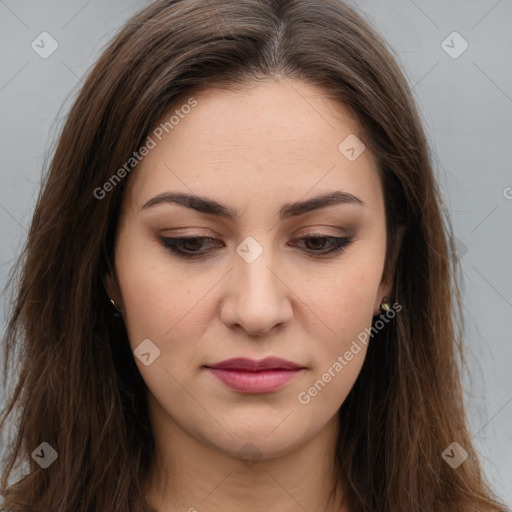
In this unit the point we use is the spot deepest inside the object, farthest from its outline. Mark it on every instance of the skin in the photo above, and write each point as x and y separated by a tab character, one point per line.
253	150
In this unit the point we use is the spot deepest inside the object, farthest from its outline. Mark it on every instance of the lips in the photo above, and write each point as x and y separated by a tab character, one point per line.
250	376
249	365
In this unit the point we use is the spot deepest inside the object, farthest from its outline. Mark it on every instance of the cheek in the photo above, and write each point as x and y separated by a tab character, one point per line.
345	309
329	387
157	294
343	299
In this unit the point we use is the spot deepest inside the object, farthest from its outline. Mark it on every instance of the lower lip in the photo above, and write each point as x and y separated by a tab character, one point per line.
254	382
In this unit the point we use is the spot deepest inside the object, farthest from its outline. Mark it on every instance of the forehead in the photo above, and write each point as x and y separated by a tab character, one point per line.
269	135
279	115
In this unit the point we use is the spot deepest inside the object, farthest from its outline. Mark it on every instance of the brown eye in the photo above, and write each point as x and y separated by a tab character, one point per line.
324	245
315	243
193	247
192	244
189	247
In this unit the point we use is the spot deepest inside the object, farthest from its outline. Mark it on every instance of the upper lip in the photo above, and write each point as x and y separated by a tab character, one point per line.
244	364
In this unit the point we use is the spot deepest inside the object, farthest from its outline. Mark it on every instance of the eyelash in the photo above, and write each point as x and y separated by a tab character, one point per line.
173	245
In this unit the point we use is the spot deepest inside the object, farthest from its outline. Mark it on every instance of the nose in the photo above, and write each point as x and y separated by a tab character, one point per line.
257	297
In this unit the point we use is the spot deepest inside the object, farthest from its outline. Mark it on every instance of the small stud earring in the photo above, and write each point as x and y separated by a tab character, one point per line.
385	305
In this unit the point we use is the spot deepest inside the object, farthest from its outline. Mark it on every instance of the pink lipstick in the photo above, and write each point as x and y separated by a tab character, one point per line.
250	376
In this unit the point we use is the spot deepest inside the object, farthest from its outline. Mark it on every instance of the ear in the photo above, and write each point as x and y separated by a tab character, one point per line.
386	284
110	283
385	289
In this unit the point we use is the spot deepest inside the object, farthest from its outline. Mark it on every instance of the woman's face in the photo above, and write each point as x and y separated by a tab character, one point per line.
254	287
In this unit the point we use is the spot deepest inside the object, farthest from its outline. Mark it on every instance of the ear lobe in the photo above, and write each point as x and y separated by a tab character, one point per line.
385	289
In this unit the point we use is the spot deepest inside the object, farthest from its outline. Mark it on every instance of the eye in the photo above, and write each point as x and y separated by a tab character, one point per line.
193	247
321	245
186	247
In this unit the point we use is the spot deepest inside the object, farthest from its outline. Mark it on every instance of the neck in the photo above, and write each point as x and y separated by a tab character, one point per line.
189	475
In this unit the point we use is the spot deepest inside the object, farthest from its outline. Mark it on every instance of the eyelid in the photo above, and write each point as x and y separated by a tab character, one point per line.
339	232
337	244
313	233
189	234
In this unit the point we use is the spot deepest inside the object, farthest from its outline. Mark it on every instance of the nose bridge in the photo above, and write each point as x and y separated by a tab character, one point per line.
257	299
253	268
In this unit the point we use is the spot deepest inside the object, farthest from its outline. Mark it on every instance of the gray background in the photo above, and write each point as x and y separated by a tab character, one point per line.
466	104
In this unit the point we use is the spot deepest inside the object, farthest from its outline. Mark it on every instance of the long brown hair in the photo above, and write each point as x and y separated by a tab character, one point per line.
76	385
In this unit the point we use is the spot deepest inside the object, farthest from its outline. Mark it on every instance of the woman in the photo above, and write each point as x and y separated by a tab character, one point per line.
239	290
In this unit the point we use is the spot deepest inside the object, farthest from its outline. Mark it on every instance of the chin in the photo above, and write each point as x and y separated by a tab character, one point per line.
265	442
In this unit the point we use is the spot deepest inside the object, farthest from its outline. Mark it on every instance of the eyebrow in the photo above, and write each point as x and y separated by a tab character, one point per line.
287	210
